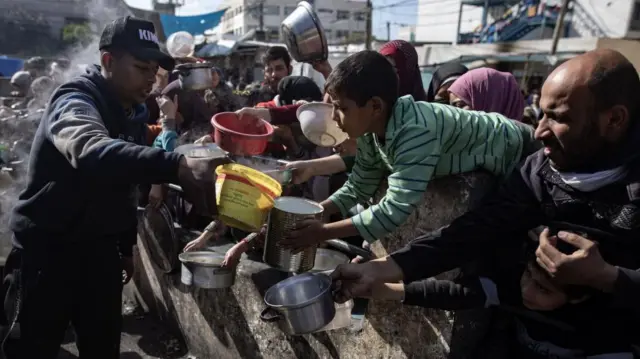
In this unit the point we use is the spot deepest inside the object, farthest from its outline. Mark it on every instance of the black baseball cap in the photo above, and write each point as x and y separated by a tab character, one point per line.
136	37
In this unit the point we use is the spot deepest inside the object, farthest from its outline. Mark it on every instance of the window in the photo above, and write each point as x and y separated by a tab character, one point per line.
342	34
289	9
343	15
271	9
325	11
328	33
359	16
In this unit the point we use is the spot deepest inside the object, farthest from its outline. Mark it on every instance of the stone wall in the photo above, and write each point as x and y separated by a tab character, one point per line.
226	324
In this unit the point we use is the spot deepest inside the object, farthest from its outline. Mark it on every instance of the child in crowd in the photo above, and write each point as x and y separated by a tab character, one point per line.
414	141
550	320
167	139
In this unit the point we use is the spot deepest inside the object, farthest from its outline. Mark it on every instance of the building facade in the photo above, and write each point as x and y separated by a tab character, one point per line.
343	21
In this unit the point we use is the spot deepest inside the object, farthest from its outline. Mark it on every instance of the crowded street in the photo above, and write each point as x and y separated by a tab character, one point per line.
190	179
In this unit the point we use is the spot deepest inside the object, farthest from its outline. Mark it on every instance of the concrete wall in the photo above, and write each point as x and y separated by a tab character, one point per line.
226	324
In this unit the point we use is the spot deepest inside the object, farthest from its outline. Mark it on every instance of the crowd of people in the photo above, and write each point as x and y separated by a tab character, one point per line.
553	244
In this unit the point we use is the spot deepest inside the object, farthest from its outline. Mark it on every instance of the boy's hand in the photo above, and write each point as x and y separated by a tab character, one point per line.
308	233
168	107
233	255
156	195
302	171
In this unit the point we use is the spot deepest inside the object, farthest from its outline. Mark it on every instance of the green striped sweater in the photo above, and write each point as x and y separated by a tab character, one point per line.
423	141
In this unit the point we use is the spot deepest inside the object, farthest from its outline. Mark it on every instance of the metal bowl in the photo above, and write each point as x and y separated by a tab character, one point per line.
304	35
204	270
267	165
209	150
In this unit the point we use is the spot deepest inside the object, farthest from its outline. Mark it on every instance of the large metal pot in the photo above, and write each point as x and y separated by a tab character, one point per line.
195	77
304	36
301	304
283	217
204	270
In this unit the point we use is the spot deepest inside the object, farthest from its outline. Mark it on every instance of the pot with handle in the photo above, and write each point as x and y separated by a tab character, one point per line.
204	269
300	304
195	77
350	249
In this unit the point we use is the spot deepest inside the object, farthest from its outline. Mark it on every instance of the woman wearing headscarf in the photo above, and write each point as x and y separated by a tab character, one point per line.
404	58
220	98
442	78
488	90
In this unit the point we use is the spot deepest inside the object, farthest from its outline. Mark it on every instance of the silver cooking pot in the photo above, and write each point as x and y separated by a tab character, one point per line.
195	77
300	304
204	270
304	36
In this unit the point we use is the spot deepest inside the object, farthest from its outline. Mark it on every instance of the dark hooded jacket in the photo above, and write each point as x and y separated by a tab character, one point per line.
86	158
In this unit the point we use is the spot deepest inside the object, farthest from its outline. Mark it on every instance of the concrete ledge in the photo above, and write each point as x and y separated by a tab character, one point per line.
226	323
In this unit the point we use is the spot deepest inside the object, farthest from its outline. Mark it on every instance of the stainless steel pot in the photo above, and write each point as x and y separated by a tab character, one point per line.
204	270
327	260
267	165
304	35
283	217
301	304
195	77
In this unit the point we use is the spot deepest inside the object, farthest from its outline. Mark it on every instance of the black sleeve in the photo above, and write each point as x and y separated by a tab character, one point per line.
626	290
445	294
512	209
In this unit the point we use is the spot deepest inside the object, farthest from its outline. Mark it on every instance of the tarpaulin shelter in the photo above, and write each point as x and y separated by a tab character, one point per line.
195	25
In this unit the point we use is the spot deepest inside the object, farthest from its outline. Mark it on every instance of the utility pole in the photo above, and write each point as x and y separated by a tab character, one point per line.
261	15
388	31
557	32
368	35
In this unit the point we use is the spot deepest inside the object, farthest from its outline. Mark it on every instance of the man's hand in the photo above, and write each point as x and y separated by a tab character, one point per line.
585	266
302	171
127	269
308	233
353	281
197	179
322	67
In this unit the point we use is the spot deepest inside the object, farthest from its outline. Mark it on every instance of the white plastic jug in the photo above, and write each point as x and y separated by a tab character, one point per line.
181	44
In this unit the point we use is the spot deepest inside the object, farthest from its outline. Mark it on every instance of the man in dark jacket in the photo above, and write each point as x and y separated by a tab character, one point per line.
585	180
75	223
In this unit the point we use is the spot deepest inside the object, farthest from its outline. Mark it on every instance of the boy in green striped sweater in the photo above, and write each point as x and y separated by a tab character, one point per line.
413	141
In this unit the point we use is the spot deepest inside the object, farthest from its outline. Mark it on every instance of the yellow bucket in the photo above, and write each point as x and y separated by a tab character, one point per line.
244	196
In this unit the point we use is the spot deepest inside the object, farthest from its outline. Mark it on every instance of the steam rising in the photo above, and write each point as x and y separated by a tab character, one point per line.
18	128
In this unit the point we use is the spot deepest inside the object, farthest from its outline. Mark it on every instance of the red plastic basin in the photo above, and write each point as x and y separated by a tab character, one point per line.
241	136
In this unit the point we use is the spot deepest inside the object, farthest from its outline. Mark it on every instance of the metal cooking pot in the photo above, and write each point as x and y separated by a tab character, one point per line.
301	304
327	260
304	36
195	77
267	165
204	270
283	217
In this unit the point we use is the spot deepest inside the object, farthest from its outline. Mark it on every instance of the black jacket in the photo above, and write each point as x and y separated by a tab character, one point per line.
86	158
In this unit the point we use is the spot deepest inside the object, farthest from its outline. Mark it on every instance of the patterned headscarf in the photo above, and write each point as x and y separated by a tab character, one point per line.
489	90
406	59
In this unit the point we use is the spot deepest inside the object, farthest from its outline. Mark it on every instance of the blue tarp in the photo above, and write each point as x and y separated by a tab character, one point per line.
195	25
10	65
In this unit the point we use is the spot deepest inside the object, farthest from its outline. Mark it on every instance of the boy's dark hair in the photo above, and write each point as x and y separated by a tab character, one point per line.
277	53
362	76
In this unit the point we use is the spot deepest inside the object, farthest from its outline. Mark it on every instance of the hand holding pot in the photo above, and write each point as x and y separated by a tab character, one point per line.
168	107
353	281
233	255
197	179
302	171
308	233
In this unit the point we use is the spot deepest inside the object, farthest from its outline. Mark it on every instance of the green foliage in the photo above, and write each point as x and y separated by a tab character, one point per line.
77	34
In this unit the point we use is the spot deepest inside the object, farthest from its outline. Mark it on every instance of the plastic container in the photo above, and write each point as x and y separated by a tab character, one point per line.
244	196
318	126
181	44
241	136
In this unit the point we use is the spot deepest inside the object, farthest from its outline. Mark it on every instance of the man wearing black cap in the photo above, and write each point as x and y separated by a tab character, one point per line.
75	223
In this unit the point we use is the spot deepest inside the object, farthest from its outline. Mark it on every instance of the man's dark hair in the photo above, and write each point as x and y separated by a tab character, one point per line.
362	76
277	53
615	85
